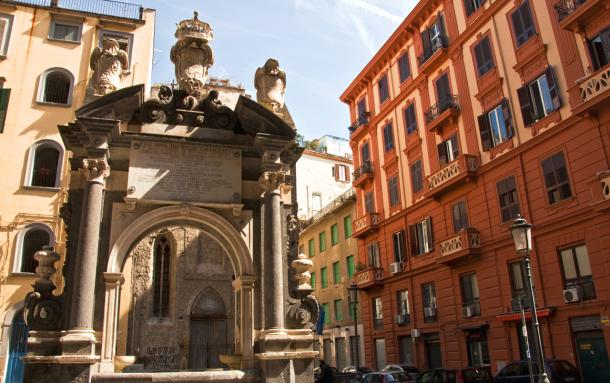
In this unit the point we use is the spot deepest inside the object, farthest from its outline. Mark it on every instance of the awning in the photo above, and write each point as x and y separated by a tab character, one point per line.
516	316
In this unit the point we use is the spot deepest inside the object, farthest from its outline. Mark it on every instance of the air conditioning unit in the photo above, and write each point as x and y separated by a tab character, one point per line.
415	333
396	267
429	312
468	311
573	294
402	319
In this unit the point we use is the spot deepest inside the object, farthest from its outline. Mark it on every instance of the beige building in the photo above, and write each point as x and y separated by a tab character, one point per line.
327	239
44	72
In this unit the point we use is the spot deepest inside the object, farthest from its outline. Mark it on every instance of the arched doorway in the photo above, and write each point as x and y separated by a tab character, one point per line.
209	335
17	349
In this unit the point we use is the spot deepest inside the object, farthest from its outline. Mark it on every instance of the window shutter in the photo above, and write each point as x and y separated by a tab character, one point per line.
425	39
413	240
429	233
553	90
4	97
605	37
336	172
442	153
440	22
347	174
469	7
526	106
508	118
484	131
454	146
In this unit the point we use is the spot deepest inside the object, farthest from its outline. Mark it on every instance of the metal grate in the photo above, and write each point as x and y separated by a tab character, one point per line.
99	7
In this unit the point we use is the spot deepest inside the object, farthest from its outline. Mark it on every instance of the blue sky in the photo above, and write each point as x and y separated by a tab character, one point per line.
320	44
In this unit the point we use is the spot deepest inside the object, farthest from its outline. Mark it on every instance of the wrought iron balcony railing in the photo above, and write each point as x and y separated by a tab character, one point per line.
436	44
99	7
363	119
449	101
364	170
565	8
461	245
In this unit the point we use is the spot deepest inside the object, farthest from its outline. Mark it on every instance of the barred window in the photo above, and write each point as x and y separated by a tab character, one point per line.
161	273
56	87
33	241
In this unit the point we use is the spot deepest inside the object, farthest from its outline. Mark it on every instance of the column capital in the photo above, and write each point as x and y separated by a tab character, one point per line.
272	180
114	278
95	169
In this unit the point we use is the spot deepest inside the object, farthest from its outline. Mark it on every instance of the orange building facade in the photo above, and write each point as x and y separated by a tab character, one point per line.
474	112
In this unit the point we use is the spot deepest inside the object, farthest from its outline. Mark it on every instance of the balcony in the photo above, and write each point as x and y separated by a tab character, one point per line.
464	245
600	191
363	120
373	276
594	91
98	7
363	173
439	44
461	170
365	225
575	15
442	113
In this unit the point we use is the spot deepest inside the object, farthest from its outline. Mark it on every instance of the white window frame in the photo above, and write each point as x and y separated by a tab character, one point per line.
69	22
5	37
42	82
29	170
378	308
403	296
18	254
342	176
540	94
497	114
316	196
421	229
129	36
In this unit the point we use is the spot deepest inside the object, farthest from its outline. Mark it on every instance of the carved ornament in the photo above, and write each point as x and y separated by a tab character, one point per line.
271	181
303	313
42	310
96	170
270	84
109	64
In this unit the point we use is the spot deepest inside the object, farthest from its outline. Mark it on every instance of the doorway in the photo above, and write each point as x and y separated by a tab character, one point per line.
17	349
593	356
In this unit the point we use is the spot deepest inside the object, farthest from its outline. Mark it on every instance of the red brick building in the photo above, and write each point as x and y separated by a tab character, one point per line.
471	113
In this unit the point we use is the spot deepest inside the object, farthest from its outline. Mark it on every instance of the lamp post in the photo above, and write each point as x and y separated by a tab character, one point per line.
352	295
521	231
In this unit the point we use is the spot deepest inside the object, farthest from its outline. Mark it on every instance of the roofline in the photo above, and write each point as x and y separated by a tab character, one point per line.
313	153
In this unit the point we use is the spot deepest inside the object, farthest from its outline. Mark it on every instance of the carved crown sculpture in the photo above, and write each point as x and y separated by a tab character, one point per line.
270	84
192	56
109	64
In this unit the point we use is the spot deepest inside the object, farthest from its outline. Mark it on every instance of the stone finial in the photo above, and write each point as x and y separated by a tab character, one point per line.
96	170
109	64
42	310
301	266
270	84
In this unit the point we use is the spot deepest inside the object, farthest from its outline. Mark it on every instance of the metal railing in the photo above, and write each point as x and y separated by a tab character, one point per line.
436	44
363	119
350	193
446	102
365	168
98	7
565	8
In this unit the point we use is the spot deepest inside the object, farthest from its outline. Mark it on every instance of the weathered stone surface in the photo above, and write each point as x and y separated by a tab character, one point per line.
249	376
109	64
55	373
270	84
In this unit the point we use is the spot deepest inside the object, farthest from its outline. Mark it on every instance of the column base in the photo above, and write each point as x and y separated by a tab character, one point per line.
43	343
286	356
78	342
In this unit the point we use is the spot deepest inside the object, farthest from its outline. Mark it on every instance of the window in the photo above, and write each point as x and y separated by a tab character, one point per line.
377	313
484	57
125	40
434	38
334	234
402	298
6	24
478	350
161	273
336	273
509	199
338	309
448	150
313	281
410	118
55	87
417	178
517	280
4	97
350	265
398	244
372	252
363	116
429	301
347	226
443	92
473	5
393	190
369	202
523	25
44	164
404	71
384	92
406	350
31	239
365	154
316	202
341	173
326	308
460	216
577	270
388	137
495	126
556	178
324	277
66	30
539	98
599	47
312	248
421	237
470	295
322	241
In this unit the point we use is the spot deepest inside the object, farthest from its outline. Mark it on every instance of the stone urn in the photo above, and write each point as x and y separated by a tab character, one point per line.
123	361
301	266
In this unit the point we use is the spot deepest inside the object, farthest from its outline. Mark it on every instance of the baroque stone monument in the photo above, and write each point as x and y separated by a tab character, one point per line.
182	237
109	64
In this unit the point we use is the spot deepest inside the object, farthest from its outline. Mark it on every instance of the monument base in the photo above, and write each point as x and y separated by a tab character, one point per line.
286	356
78	342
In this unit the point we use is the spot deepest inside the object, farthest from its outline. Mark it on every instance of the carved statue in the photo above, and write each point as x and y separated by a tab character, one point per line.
193	56
109	63
270	84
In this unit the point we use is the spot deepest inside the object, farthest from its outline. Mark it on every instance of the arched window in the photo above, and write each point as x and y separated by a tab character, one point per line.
56	87
29	240
44	164
161	272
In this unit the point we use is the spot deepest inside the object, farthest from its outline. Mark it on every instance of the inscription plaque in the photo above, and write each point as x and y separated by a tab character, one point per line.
184	172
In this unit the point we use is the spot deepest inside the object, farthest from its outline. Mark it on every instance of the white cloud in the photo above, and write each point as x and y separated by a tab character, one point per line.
374	9
363	34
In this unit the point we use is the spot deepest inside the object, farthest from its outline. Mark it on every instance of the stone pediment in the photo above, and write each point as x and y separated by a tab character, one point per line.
255	118
118	105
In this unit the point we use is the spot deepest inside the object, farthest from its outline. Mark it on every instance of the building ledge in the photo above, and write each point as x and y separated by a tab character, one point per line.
575	15
373	276
443	113
461	170
594	92
461	246
366	224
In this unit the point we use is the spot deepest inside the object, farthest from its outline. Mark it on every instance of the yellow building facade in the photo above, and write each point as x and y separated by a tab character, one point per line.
44	74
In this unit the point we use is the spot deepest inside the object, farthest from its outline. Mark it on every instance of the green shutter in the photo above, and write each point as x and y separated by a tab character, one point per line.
322	238
313	281
338	310
324	278
4	96
350	266
312	248
334	234
336	273
347	226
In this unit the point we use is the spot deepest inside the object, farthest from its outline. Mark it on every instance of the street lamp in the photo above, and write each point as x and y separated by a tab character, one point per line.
521	231
352	295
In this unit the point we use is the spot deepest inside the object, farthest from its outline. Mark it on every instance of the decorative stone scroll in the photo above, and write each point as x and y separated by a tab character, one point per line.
42	310
303	313
271	181
96	170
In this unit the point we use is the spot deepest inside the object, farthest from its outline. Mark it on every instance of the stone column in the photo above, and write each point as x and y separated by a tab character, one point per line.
114	281
273	280
80	339
244	287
